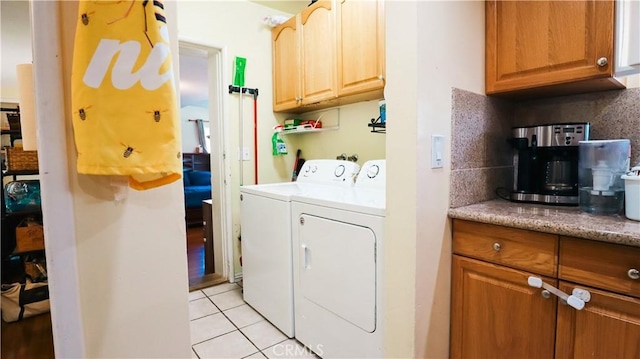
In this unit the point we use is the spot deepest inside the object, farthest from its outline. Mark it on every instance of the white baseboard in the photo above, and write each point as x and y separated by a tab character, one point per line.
237	277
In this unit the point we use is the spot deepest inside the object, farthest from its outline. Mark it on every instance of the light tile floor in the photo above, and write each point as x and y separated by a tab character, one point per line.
224	326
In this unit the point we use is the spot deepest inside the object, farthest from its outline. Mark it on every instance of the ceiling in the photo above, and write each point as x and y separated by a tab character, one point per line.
289	6
194	90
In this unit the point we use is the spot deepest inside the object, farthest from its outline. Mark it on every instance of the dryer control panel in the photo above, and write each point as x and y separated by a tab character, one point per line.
373	174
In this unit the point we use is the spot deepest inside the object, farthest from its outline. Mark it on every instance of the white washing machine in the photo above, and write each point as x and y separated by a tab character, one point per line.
265	219
338	240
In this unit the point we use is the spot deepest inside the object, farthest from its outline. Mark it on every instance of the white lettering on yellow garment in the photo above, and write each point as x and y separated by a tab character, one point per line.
125	115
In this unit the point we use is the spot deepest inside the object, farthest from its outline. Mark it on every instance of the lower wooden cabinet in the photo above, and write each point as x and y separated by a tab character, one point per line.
607	327
496	314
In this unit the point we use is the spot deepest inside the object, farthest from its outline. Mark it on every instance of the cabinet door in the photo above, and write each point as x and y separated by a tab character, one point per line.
360	46
540	43
286	66
607	327
318	56
496	314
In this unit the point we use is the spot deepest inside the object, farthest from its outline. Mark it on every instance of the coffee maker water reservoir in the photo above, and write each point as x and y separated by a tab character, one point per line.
601	165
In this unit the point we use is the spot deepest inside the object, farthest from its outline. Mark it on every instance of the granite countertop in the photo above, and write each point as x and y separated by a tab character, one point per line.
567	221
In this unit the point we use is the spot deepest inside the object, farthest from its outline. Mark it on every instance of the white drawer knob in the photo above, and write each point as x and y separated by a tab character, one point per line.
602	61
633	273
497	247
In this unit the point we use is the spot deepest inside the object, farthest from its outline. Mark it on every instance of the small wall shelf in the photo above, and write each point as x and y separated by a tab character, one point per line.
377	126
330	119
308	130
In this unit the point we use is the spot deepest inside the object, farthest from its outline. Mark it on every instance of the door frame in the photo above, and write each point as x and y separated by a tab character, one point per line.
57	198
219	146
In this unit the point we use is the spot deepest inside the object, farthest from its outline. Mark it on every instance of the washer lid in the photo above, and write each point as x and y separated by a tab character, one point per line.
314	173
361	200
280	191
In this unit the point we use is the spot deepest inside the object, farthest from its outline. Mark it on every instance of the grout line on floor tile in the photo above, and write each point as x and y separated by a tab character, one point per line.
214	304
254	354
234	325
208	315
217	336
273	345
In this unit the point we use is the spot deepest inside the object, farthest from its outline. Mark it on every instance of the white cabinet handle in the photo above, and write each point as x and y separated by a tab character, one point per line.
602	61
306	256
497	247
576	299
633	273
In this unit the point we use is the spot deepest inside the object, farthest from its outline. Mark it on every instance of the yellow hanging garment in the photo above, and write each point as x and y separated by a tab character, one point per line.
125	115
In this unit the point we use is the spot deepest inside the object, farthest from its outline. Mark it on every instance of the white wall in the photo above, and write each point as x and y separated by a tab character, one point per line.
15	45
400	248
131	256
432	47
353	136
238	26
189	129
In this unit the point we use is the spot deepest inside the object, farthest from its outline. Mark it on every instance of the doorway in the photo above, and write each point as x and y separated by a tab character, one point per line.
204	129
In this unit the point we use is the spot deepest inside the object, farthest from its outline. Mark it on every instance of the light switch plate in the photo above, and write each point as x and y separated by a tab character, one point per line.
246	156
437	151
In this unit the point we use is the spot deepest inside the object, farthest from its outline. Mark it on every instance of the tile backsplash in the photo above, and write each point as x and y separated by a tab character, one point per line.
612	114
481	159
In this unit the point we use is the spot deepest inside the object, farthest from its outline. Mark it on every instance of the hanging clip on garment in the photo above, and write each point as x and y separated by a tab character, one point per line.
125	115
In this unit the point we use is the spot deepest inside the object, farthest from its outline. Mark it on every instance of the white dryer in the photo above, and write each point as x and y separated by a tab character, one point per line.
338	239
265	219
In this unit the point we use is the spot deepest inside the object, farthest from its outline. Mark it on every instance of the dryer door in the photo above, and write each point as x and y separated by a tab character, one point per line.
338	269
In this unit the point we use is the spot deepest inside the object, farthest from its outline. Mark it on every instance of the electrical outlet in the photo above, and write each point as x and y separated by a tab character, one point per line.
246	156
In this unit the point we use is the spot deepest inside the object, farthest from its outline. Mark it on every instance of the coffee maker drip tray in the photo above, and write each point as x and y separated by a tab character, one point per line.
544	199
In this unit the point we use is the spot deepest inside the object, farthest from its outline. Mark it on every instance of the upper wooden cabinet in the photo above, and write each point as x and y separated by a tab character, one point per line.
318	55
549	47
304	58
330	54
286	76
360	46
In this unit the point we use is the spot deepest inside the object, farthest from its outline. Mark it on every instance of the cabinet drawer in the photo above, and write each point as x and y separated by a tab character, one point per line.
532	251
601	265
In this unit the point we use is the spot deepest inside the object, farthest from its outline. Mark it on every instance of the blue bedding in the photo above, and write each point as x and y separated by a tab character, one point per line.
197	187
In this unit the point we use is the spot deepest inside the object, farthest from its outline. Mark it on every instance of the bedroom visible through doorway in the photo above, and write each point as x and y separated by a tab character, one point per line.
205	167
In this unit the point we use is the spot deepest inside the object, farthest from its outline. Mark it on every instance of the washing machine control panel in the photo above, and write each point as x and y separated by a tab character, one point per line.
338	172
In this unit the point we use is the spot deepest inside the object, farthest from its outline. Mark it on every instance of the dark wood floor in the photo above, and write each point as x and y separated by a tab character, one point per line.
29	338
32	338
195	256
195	251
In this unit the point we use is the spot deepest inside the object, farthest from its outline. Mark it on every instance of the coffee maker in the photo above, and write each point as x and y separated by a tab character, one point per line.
545	163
